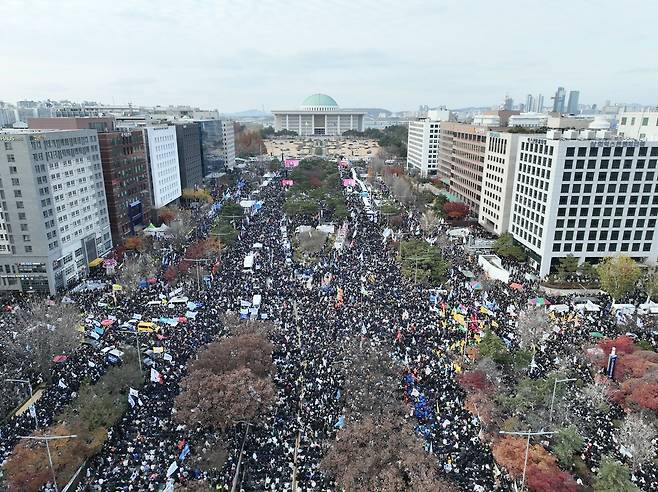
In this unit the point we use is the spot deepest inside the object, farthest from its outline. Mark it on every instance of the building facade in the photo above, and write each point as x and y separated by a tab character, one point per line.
498	181
188	141
217	145
125	172
319	115
466	157
584	194
423	147
54	210
572	102
164	173
642	125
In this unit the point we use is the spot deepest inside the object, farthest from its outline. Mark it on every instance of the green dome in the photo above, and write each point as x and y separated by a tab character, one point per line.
320	100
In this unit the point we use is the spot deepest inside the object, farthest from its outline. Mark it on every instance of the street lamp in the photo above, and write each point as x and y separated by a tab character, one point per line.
139	354
527	446
50	459
553	398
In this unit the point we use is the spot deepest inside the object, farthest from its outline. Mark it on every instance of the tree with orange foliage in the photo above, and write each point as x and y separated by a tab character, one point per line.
456	210
167	214
541	470
134	243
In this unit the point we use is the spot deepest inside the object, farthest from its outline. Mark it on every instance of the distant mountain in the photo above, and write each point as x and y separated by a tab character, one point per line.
250	113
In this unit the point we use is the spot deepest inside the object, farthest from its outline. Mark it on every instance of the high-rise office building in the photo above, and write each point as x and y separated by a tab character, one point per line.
498	180
217	144
164	172
125	170
529	103
188	141
423	146
463	146
508	103
54	210
558	100
572	104
584	194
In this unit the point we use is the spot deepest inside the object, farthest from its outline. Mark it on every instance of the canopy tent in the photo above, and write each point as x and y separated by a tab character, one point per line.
649	307
560	308
589	306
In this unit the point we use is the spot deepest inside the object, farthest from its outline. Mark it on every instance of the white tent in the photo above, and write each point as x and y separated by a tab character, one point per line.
560	308
649	307
589	306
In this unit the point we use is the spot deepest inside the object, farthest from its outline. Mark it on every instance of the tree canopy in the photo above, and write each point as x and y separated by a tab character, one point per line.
618	275
507	247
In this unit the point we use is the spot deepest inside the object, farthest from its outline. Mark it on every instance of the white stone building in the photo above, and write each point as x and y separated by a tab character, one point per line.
498	181
423	147
585	194
528	120
54	211
319	115
164	172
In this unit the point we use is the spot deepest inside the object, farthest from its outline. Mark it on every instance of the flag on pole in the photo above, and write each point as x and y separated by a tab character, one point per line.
185	452
172	468
132	394
156	377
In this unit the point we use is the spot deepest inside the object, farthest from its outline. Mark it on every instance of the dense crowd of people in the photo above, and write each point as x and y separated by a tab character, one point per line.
421	330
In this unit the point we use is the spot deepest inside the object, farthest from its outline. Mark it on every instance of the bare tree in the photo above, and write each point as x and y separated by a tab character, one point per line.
636	435
386	456
371	382
596	393
45	330
532	325
219	401
179	228
429	222
135	269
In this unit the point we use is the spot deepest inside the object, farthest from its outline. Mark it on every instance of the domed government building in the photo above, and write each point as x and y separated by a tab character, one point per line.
319	115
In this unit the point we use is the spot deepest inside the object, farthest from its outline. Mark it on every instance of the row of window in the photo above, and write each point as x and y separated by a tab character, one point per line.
600	247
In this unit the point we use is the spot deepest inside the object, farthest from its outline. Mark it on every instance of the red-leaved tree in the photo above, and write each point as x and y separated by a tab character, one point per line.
456	210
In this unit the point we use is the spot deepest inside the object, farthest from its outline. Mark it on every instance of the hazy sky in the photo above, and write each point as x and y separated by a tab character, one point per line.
241	54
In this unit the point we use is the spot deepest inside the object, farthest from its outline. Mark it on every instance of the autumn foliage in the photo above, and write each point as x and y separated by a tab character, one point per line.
455	210
133	243
635	372
166	215
543	474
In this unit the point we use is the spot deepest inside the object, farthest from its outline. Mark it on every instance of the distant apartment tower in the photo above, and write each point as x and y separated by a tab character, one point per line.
530	103
54	211
642	125
584	194
164	172
508	103
7	115
540	104
498	181
572	104
188	141
558	100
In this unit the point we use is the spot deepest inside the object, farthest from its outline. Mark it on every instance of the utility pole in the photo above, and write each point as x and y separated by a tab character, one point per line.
48	438
29	385
198	274
416	259
553	398
527	433
139	355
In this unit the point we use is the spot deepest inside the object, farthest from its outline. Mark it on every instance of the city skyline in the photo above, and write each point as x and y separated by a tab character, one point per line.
233	56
